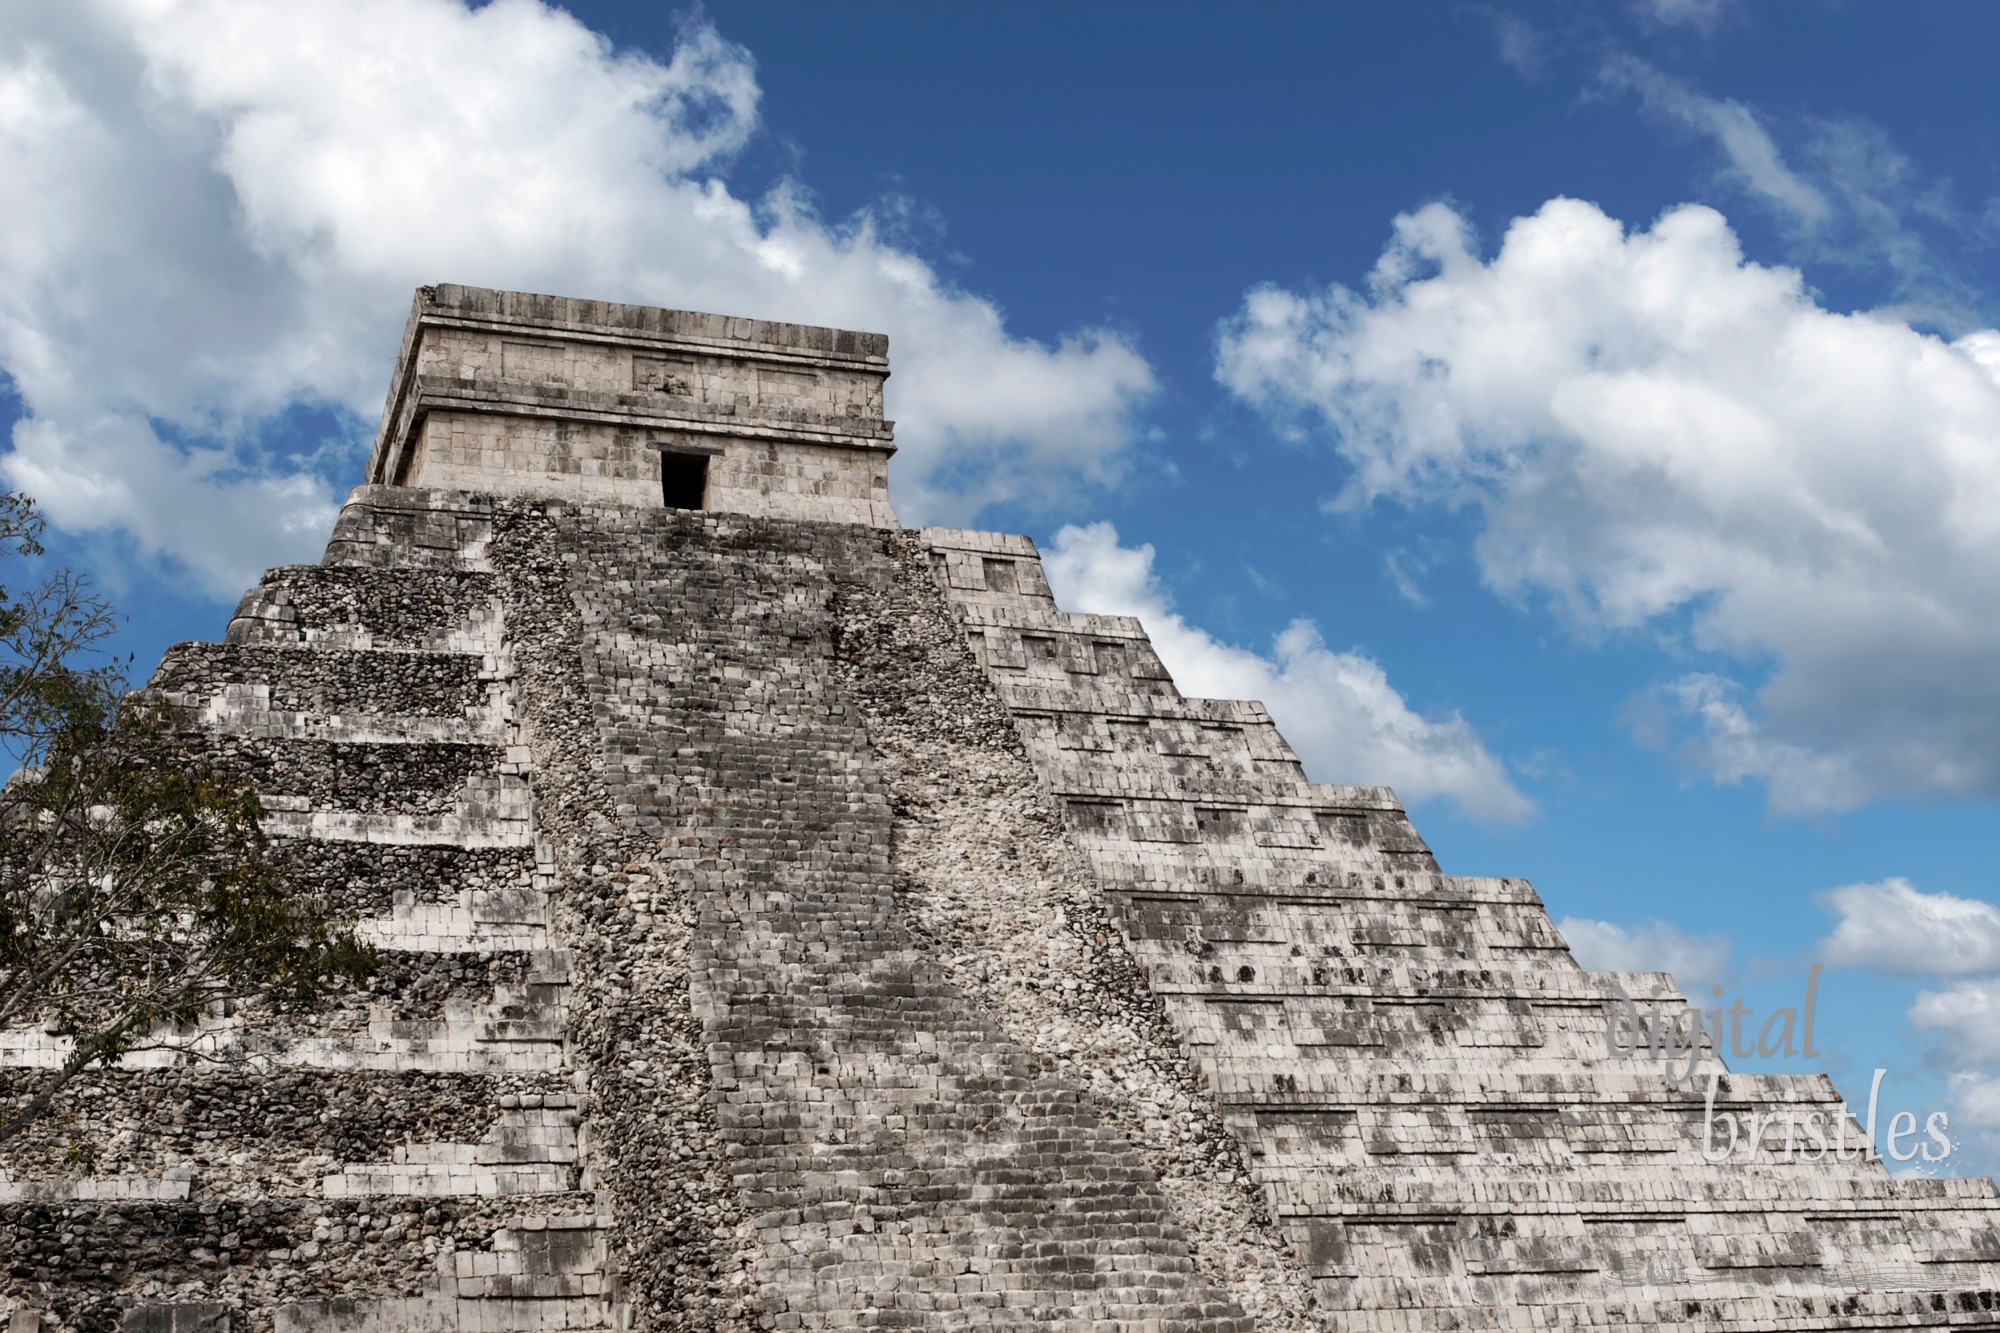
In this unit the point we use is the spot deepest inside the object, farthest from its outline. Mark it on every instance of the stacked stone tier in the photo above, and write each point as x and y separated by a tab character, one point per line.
1460	1127
401	1149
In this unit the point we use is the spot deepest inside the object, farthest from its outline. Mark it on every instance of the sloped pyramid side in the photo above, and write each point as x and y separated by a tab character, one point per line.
1416	1068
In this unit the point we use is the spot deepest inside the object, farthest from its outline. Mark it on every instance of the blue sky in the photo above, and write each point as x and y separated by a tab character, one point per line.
1583	417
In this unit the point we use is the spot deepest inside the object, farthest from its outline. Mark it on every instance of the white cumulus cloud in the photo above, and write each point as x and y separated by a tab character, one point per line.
1696	961
1975	1106
1659	433
1963	1023
1892	927
1966	1019
1337	709
216	211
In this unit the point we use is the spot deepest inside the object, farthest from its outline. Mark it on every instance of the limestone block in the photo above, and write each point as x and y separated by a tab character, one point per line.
368	608
188	1317
408	527
212	1036
443	1314
482	921
171	1188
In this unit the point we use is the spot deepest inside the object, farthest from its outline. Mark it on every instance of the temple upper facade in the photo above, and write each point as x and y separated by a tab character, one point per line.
518	394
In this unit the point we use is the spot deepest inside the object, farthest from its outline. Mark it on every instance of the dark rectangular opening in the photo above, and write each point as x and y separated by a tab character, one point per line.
683	479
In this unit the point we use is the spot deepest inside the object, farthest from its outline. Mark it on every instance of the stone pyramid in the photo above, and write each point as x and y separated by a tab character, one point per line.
791	921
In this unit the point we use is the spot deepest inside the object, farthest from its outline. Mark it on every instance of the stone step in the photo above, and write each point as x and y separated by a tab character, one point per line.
1337	929
223	679
479	921
1792	1300
369	777
449	1049
445	1314
1382	1185
1223	777
473	1047
370	610
1248	971
1158	703
530	1150
409	527
1302	879
1168	784
495	818
372	879
1336	1079
172	1187
1162	844
240	710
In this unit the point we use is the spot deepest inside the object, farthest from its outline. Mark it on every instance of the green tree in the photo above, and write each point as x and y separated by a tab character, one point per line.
137	889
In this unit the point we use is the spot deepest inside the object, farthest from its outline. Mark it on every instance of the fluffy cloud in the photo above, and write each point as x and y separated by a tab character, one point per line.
1891	927
217	209
1337	709
1963	1021
1975	1106
1966	1019
1696	961
1894	928
1522	47
1659	433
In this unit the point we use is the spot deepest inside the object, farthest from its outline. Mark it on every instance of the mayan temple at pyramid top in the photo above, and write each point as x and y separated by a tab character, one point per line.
519	394
788	921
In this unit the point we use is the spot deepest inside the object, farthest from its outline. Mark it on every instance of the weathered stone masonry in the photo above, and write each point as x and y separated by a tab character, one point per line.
793	922
1413	1064
412	1146
898	1153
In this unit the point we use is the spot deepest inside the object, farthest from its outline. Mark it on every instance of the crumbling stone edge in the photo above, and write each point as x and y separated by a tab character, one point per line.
1006	905
682	1251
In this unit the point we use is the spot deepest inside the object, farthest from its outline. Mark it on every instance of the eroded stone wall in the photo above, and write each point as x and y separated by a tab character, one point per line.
406	1154
681	1251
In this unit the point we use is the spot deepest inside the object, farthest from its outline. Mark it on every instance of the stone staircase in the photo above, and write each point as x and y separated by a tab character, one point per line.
903	1162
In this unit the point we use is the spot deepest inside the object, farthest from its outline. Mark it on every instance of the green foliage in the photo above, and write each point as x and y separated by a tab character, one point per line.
137	888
